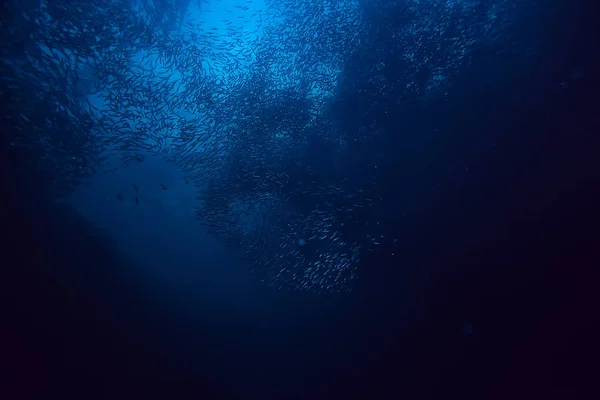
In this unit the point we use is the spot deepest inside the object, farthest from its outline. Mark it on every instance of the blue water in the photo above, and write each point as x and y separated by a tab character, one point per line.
480	288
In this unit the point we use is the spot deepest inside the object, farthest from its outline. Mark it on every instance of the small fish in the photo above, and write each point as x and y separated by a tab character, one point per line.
163	187
467	328
137	201
120	197
134	186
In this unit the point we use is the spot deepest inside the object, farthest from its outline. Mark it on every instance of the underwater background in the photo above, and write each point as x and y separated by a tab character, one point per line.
292	199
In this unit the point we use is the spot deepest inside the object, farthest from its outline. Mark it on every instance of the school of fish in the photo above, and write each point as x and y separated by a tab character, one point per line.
248	109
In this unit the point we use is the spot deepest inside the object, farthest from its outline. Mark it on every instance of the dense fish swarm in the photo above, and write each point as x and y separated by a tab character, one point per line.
260	112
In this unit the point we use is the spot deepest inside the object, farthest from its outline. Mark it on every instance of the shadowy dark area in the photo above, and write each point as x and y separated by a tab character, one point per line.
76	325
511	250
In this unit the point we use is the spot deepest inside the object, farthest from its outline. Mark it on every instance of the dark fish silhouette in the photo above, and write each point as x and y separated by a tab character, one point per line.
137	201
134	186
118	196
163	187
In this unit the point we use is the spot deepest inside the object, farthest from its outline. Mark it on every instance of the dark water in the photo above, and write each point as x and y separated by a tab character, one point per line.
487	293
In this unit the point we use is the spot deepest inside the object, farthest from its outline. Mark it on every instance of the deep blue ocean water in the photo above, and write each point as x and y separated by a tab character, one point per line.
486	293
